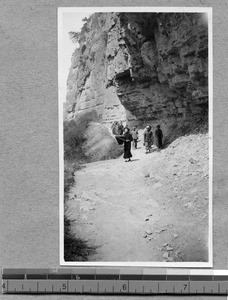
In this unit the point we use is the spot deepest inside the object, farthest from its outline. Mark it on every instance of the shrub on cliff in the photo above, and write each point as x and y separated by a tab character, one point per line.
74	36
73	138
74	131
100	144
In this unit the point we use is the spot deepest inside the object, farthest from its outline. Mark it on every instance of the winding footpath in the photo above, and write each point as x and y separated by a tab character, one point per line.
117	210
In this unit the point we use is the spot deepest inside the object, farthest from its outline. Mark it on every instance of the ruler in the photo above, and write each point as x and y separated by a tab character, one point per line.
114	281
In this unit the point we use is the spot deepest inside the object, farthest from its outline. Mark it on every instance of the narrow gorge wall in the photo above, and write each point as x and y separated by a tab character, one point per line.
141	67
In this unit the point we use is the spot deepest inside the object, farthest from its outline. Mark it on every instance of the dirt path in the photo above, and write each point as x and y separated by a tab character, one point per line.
130	215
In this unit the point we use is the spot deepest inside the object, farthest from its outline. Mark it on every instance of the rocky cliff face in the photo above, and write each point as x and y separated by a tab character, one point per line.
141	68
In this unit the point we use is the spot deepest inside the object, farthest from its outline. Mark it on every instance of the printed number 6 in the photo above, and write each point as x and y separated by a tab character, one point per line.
124	287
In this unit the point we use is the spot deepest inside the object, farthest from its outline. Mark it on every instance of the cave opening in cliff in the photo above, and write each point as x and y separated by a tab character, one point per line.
126	75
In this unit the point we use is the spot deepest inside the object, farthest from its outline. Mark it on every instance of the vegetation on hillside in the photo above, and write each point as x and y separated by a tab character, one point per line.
75	249
84	141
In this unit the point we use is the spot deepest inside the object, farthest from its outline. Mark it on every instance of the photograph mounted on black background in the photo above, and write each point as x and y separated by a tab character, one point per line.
135	125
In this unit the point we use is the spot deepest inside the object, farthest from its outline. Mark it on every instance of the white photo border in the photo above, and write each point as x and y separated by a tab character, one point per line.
208	11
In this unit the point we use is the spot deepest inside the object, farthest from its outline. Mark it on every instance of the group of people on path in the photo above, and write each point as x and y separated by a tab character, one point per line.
127	136
148	138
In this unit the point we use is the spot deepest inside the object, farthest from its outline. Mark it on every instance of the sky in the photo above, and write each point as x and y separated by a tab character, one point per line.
70	21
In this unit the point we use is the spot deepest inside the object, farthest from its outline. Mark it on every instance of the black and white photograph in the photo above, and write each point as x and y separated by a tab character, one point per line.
135	136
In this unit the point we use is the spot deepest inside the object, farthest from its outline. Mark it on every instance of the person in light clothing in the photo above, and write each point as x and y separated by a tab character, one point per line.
148	138
135	137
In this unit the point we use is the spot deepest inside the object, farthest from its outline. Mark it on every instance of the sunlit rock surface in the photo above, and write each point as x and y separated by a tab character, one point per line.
141	68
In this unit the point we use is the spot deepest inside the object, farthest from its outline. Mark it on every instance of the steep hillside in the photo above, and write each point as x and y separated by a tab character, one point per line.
154	208
140	68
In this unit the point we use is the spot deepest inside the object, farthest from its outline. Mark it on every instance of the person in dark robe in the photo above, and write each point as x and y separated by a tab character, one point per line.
148	138
159	136
127	144
120	128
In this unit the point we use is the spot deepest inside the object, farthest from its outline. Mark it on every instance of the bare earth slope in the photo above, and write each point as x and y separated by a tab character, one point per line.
154	208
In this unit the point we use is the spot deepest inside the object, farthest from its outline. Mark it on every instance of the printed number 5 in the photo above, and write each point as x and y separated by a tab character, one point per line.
64	286
124	287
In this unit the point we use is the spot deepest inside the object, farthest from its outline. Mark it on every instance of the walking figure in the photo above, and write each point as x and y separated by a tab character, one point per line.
159	136
135	137
148	138
120	128
127	144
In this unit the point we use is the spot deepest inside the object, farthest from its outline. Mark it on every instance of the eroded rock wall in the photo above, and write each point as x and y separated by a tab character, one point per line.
141	68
